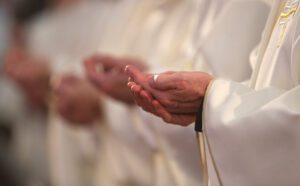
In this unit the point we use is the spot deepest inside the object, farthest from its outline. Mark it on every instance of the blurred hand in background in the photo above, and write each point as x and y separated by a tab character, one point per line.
31	74
106	72
76	100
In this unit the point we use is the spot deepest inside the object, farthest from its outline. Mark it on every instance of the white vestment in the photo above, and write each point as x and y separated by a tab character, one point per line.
213	51
65	37
252	132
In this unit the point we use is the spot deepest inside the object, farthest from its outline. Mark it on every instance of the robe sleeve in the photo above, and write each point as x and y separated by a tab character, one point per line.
254	135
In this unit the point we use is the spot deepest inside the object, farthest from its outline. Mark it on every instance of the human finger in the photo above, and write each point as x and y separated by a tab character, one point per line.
164	81
177	119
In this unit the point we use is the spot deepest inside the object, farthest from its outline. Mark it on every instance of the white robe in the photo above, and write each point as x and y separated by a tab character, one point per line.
179	150
66	37
251	130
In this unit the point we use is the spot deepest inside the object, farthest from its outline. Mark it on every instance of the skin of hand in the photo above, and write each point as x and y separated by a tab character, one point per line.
76	100
106	72
31	74
142	97
145	100
177	95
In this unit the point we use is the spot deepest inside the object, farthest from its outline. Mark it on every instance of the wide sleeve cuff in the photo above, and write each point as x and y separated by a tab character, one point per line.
199	114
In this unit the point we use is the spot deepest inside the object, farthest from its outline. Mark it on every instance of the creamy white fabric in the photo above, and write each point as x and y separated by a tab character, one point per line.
253	132
237	30
66	36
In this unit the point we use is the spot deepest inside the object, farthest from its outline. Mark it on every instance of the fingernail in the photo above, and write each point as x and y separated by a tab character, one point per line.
153	80
155	77
126	68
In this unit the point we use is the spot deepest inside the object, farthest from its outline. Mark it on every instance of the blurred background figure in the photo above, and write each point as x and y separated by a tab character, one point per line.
21	154
45	43
11	109
64	35
31	76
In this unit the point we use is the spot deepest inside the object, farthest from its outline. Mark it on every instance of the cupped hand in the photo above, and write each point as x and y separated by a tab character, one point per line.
106	72
173	96
31	74
145	100
178	92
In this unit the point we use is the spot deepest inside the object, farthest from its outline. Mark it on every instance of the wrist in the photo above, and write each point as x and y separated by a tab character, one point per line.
204	86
